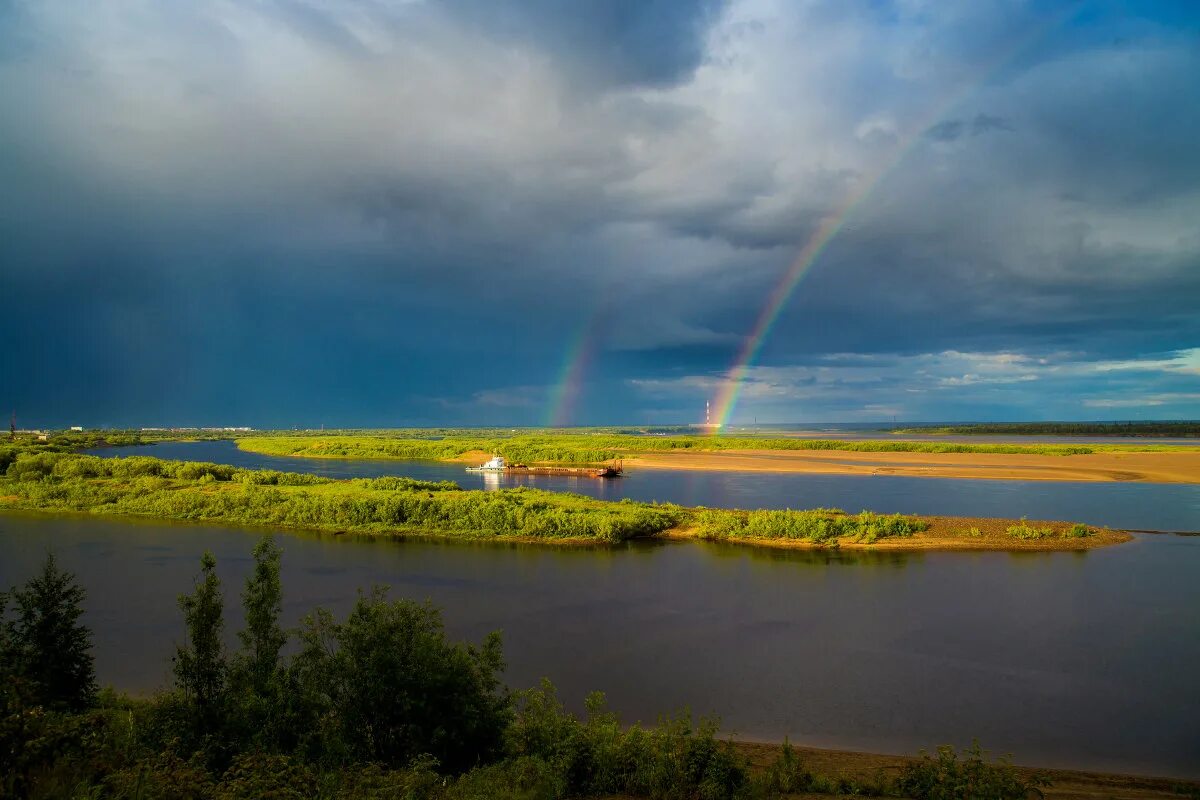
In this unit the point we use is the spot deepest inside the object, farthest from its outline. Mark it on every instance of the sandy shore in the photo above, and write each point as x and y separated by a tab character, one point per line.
1163	467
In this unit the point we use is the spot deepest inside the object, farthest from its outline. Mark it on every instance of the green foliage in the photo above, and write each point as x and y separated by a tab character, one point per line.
263	637
199	491
599	756
820	526
1078	531
44	646
200	668
189	490
946	776
397	689
785	775
1026	531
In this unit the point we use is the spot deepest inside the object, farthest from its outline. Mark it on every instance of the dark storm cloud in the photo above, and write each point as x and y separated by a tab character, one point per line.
295	213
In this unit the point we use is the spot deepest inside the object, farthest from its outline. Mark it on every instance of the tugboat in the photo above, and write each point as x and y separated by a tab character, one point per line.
498	464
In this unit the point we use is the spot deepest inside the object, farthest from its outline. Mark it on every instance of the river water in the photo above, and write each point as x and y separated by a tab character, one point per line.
1064	659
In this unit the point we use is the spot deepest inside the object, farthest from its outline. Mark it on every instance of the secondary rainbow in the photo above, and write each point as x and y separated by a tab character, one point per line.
829	227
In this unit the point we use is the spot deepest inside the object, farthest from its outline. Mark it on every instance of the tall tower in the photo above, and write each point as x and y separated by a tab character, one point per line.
707	413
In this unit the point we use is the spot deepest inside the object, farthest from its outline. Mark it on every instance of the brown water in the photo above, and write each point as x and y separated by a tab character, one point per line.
1065	659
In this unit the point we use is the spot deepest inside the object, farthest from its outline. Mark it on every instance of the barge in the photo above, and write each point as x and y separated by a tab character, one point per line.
498	464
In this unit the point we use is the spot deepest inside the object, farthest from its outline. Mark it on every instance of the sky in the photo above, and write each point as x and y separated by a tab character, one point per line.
294	213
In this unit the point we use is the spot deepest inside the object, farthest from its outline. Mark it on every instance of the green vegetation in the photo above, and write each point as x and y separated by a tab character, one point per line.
1163	429
1078	531
200	491
152	487
44	642
821	526
1026	531
945	776
579	448
378	705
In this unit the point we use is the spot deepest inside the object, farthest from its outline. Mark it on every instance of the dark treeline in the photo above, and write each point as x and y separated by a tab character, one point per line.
377	705
1161	429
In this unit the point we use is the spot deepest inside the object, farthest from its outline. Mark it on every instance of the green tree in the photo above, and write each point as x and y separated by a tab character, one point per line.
262	638
45	645
397	689
200	668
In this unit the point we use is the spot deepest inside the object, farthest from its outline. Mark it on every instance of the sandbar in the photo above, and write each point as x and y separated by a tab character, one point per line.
1152	467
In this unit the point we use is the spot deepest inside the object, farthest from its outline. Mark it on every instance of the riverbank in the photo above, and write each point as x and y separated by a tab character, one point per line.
159	489
1065	784
1147	467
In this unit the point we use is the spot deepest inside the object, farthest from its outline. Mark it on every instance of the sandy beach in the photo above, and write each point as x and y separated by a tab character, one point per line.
1152	467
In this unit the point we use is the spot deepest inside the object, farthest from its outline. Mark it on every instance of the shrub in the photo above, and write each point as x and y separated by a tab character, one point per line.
1078	531
396	689
785	775
1026	531
945	776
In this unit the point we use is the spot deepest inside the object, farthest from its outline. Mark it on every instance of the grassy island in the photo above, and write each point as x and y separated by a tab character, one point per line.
598	447
185	490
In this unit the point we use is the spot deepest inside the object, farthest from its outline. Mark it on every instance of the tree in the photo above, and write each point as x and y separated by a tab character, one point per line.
45	645
398	689
200	668
263	638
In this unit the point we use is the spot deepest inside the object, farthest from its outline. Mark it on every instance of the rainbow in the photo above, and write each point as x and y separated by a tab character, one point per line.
568	386
827	230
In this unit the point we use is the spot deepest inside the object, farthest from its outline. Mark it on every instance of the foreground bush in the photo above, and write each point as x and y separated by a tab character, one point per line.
946	776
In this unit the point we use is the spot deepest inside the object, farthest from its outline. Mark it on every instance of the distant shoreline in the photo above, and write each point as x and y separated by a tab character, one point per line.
1139	467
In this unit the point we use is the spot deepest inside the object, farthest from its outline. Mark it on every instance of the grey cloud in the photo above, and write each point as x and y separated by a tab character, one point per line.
415	172
946	131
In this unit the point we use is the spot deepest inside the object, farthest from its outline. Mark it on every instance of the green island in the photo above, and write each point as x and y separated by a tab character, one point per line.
143	486
599	446
380	704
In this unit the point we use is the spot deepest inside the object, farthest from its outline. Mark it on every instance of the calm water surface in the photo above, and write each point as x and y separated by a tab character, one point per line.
1072	659
1142	506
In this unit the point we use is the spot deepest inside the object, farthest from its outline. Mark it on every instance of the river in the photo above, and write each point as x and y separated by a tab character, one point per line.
1064	659
1080	660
